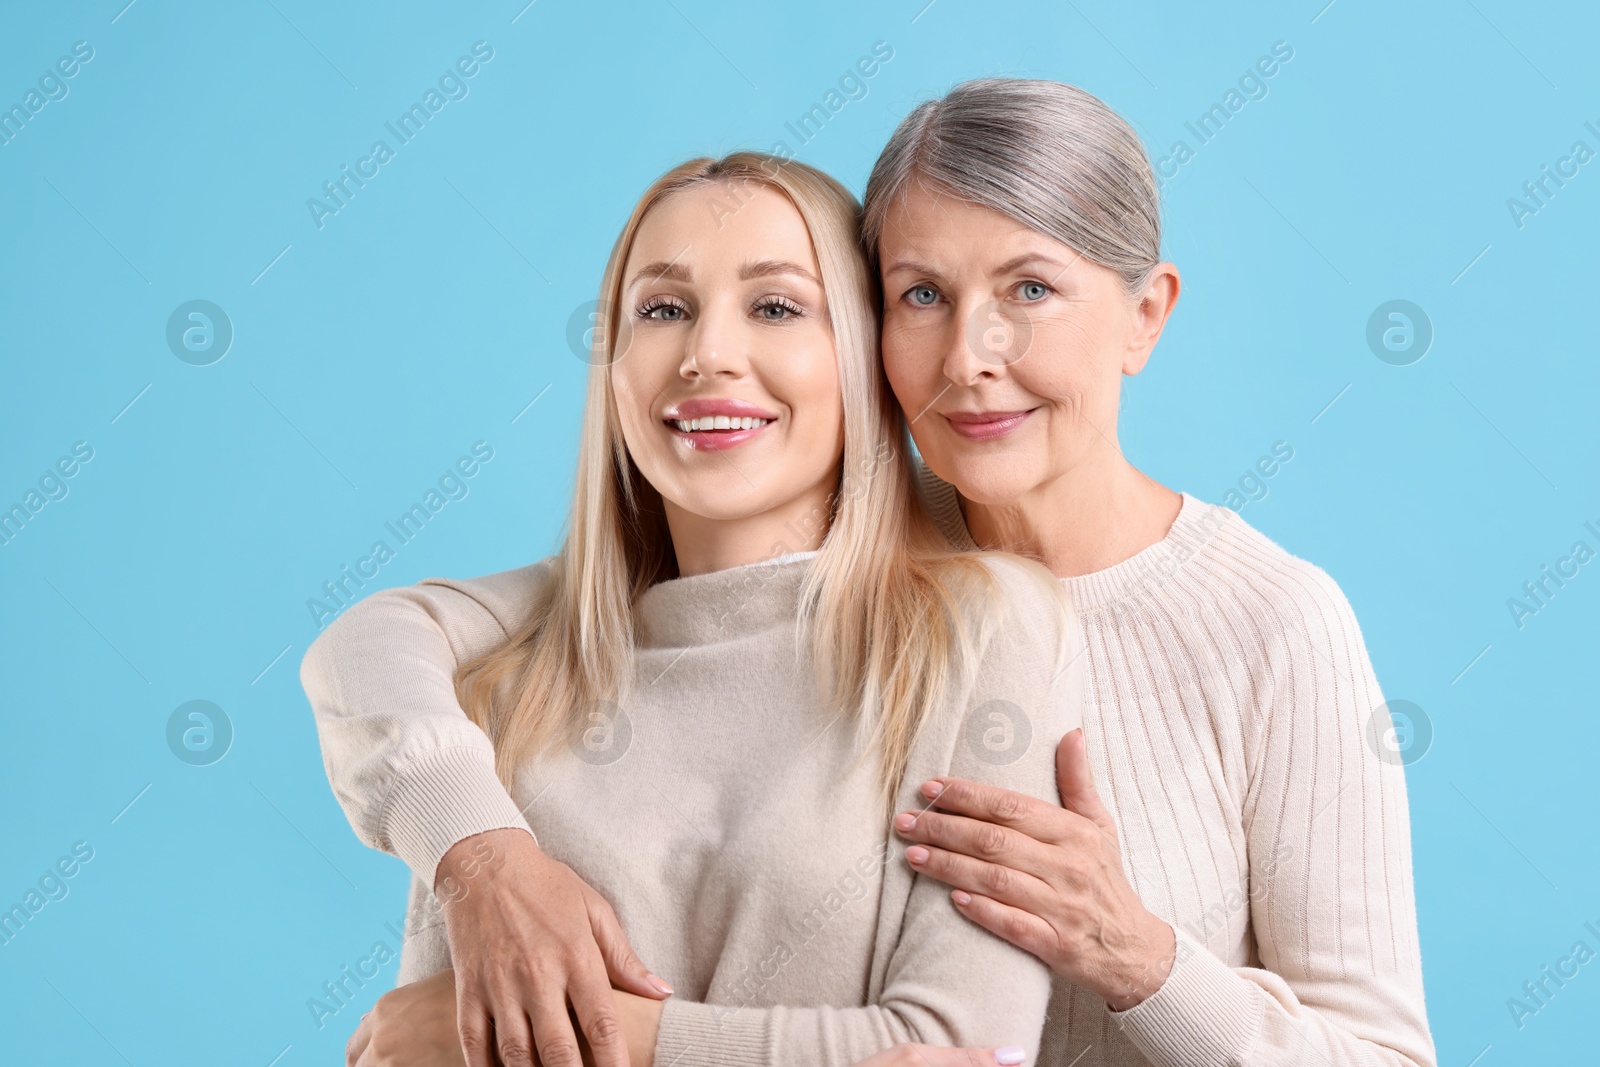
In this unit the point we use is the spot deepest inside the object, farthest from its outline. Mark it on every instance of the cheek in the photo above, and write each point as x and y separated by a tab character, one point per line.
1064	362
807	382
910	359
633	393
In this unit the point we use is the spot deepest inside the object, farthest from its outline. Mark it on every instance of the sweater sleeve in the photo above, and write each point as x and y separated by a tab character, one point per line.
413	774
948	981
1331	897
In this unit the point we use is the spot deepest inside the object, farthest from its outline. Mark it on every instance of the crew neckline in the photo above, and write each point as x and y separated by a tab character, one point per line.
1144	573
1138	576
721	605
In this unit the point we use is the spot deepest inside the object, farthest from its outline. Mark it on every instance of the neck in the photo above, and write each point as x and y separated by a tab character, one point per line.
1092	517
704	545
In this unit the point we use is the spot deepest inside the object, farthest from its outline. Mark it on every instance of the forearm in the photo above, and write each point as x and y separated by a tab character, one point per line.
1207	1014
709	1035
412	772
1328	835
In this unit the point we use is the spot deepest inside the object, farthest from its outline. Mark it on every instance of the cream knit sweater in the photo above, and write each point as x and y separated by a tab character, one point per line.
722	810
1229	718
1229	705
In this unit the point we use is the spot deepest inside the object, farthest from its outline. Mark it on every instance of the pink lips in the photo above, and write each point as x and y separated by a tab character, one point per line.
710	407
985	425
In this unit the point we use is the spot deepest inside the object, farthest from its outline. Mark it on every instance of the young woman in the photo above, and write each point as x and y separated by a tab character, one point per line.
750	649
1229	880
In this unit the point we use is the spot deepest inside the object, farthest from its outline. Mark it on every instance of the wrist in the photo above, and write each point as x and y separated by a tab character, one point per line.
640	1018
1146	968
475	857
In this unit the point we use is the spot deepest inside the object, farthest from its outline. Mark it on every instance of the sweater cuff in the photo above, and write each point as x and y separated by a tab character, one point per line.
443	797
712	1035
1203	1013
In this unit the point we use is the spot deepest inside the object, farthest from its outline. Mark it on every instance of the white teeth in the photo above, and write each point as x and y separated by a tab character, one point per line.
718	422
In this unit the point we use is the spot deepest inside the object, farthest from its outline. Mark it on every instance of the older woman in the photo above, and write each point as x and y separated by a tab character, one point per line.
1267	912
1229	880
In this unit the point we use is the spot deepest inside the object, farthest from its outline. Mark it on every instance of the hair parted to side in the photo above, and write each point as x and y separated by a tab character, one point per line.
1049	155
888	605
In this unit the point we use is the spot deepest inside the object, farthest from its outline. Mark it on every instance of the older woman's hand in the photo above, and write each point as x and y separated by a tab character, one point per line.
1047	879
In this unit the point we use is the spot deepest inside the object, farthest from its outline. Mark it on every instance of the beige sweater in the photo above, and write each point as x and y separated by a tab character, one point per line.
1229	711
1229	699
723	811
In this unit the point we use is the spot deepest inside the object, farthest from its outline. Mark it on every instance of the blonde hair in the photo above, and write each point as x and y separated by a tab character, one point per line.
886	599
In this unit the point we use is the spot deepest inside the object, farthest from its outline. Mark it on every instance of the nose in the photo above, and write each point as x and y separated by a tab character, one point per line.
975	343
717	343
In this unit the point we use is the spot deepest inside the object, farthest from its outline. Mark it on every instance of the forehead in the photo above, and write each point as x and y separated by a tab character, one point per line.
924	221
715	226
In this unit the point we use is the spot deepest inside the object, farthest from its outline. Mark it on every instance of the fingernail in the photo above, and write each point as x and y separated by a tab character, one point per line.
660	986
931	789
905	821
962	897
1011	1054
917	854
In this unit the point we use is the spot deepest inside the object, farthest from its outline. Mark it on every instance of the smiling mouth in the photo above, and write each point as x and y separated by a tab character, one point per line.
986	425
716	424
716	433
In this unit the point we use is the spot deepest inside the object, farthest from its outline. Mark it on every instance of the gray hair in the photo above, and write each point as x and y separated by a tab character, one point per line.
1051	156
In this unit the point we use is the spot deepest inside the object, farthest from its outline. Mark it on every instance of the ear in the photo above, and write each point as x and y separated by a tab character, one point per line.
1150	313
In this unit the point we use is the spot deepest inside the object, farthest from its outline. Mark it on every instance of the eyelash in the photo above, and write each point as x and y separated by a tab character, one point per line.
788	305
656	303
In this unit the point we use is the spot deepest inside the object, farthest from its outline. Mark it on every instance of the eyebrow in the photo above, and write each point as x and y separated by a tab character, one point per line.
1023	260
765	268
768	267
673	271
913	267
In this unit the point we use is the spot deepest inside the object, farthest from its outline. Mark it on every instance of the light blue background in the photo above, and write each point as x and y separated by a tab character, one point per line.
430	311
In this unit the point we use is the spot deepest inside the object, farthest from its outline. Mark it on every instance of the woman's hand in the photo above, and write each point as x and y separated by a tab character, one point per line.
1049	880
411	1026
527	935
414	1026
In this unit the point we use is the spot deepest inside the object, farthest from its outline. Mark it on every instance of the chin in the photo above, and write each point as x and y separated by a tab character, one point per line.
992	480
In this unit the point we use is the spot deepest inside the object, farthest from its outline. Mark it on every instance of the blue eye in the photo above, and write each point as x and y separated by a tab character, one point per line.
776	309
662	311
923	295
1033	290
